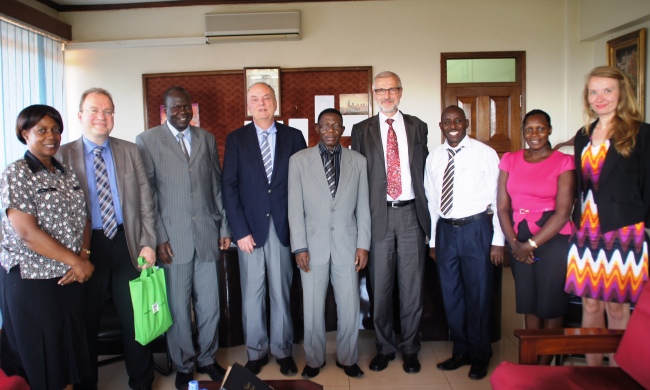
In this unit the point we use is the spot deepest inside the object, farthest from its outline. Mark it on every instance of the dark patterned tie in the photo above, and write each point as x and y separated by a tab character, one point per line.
266	155
394	172
447	195
183	147
330	173
106	210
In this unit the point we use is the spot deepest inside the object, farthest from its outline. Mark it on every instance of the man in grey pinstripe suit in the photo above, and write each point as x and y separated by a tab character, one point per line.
182	164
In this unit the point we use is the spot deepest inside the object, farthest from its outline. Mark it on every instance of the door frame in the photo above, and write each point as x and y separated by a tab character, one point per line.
520	74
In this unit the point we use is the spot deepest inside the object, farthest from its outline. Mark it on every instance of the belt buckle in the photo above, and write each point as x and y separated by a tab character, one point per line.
524	211
394	204
455	223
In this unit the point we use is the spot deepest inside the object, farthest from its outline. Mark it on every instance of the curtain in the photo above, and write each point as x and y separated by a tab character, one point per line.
31	72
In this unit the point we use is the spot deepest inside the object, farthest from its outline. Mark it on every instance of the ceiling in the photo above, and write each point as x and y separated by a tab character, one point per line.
99	5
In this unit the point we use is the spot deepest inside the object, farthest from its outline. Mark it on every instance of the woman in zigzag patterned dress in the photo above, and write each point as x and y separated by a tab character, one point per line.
608	255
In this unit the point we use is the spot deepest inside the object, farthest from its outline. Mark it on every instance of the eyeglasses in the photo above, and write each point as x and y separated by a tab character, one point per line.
94	111
392	91
179	108
324	128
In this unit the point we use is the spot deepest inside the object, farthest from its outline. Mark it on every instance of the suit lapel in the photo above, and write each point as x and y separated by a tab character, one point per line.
375	135
346	172
197	144
316	166
410	136
119	160
251	141
172	143
78	162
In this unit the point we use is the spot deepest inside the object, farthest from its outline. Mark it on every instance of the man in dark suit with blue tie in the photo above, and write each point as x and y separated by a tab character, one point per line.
255	196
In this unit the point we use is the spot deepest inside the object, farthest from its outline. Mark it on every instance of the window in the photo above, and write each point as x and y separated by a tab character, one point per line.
31	72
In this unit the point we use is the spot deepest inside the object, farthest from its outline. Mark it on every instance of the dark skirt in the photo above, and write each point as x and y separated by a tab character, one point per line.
539	287
43	337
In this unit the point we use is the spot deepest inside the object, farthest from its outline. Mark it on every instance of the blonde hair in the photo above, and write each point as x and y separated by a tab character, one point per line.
625	126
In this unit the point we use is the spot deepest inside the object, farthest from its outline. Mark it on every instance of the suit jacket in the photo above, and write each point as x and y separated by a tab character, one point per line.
187	194
623	195
366	139
132	185
247	195
329	228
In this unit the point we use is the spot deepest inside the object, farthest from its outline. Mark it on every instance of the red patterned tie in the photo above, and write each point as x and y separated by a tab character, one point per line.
394	173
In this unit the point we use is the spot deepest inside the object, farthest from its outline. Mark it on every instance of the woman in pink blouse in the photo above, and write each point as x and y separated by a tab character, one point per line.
534	199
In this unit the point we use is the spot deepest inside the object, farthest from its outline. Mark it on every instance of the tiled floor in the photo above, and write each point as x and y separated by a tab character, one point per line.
114	376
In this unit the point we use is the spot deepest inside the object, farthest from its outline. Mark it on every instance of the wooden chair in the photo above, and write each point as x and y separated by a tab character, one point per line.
632	349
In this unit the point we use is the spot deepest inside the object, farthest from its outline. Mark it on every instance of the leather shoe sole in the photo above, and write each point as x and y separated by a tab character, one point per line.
214	371
477	372
287	366
380	361
182	379
411	364
352	371
255	366
310	372
454	363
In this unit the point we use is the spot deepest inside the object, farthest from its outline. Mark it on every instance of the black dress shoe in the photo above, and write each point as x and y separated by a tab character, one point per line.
380	361
454	363
287	366
478	371
352	371
310	372
182	379
411	363
255	366
214	370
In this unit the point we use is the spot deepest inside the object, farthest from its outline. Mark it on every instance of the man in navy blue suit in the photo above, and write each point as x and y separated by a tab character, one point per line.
255	186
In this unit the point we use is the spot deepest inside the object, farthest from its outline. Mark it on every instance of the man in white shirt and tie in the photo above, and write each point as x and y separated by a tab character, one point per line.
460	181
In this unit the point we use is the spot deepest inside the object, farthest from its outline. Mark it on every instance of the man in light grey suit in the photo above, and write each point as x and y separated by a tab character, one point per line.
182	164
114	249
329	220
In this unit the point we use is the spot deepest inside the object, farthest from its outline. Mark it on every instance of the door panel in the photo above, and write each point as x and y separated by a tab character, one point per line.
493	112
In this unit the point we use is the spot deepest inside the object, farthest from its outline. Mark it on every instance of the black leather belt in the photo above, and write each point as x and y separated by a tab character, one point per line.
400	203
464	221
119	228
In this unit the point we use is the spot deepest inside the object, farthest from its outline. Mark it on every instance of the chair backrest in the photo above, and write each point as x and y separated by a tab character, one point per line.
633	353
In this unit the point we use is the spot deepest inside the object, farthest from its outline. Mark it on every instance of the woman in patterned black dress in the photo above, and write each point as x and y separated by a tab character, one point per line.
44	260
608	254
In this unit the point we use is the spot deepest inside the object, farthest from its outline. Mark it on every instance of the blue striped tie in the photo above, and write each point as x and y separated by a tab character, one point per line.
266	155
109	223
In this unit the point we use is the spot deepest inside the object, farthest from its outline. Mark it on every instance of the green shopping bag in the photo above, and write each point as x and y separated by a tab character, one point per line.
151	314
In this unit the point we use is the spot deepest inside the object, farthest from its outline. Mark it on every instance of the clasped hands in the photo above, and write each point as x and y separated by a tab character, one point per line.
523	252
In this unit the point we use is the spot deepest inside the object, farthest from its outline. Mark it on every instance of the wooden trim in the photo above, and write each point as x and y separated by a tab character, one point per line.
535	342
23	13
165	4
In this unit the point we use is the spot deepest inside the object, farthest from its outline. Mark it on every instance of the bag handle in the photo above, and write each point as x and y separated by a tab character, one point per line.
145	272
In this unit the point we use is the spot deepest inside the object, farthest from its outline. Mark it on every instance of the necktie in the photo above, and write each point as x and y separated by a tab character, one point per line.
394	172
109	223
330	173
447	195
182	143
266	155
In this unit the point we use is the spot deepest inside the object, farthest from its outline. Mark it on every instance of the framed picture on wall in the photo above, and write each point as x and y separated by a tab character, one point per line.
628	53
268	75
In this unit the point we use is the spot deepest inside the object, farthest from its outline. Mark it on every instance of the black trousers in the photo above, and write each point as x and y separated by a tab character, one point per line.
463	258
113	270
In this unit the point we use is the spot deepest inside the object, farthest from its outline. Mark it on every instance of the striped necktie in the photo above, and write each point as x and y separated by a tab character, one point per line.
106	210
181	142
447	195
266	155
330	173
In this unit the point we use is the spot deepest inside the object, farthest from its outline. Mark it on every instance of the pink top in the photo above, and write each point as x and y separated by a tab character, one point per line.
533	186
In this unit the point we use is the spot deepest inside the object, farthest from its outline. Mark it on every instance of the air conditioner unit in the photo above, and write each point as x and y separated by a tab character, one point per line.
252	26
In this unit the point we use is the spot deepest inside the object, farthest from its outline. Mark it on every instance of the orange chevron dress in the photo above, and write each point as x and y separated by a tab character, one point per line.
610	266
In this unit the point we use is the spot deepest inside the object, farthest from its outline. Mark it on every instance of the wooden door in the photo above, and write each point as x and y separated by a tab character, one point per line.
494	114
494	109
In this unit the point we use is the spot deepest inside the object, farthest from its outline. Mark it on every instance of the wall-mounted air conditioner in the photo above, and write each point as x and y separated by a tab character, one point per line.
252	26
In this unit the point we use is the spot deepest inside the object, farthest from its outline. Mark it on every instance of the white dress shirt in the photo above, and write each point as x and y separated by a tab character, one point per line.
475	183
402	144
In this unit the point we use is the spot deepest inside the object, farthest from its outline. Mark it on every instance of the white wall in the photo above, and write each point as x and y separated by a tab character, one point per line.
405	36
